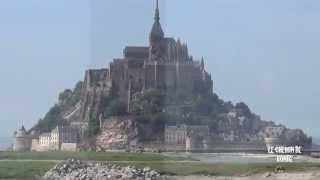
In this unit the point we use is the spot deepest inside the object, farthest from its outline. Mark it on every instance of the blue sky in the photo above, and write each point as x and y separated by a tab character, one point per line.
263	52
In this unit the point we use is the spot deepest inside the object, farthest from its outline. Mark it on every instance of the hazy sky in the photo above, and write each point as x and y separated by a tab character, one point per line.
263	52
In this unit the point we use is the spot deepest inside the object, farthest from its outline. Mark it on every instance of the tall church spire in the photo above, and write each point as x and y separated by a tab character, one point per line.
156	37
156	31
157	13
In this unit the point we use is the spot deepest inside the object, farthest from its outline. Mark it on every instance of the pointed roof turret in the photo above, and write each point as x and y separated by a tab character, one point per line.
22	128
21	132
202	64
156	31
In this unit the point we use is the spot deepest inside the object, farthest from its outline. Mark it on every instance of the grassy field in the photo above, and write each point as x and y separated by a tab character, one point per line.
29	165
109	156
32	169
23	170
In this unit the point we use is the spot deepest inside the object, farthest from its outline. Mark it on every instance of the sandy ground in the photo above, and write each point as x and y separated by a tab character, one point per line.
239	157
312	175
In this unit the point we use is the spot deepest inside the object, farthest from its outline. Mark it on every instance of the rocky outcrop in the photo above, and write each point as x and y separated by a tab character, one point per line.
77	170
285	136
117	133
239	124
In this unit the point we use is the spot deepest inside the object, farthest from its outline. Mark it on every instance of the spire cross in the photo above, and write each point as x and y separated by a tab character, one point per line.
157	16
157	5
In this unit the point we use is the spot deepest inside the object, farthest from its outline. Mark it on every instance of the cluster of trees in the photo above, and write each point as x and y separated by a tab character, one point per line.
152	110
111	106
150	115
50	120
54	116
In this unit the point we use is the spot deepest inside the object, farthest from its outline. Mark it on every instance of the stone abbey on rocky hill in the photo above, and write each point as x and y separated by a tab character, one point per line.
165	64
189	113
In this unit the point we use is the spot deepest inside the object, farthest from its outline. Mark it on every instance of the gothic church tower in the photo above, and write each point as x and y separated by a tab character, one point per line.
156	38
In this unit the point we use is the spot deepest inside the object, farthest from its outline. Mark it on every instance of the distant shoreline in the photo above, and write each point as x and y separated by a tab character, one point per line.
5	142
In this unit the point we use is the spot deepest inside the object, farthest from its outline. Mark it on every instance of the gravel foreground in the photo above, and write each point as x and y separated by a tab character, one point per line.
77	170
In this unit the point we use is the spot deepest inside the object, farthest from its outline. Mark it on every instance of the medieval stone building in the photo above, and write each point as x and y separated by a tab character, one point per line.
186	136
165	64
63	138
60	138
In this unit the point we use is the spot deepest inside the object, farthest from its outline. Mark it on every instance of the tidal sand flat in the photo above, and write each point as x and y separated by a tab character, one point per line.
5	142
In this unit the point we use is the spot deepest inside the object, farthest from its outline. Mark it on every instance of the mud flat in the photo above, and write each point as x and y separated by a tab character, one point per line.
245	158
311	175
5	143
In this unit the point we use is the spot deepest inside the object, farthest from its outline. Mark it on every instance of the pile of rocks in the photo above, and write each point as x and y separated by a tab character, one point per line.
77	170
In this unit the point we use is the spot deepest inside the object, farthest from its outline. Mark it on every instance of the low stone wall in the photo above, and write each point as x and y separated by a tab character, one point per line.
69	147
34	145
42	148
220	146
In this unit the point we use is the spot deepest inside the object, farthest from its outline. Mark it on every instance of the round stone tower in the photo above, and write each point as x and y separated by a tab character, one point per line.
22	140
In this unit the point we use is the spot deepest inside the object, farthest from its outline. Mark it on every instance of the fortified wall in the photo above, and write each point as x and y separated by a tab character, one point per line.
61	138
